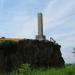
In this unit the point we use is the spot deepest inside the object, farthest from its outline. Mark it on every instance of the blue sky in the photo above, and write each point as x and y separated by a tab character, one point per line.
18	19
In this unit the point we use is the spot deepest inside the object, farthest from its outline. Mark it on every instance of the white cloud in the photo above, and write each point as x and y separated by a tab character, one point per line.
56	12
69	57
24	26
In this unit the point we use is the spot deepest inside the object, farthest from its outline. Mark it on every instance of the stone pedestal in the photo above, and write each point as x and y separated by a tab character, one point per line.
39	37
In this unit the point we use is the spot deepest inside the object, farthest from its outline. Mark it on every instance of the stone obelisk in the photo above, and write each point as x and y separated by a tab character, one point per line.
40	35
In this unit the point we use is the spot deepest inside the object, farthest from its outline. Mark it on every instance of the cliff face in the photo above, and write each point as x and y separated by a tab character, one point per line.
34	52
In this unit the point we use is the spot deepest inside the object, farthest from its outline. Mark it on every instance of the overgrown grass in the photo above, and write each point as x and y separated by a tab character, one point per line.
26	70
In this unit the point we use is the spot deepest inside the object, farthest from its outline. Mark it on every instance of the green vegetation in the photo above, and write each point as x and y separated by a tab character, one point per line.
26	70
73	51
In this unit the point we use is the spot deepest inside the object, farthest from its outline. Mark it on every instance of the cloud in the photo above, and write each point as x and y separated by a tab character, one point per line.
22	26
57	11
69	57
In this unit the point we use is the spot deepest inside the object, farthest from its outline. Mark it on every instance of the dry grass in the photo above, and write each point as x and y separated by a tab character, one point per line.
9	39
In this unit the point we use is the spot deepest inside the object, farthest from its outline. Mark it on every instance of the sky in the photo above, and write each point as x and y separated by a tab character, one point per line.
18	19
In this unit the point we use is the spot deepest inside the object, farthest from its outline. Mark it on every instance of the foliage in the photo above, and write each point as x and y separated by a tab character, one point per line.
25	70
73	51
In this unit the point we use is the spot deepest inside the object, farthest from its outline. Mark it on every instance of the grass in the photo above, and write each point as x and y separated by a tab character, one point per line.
68	70
26	70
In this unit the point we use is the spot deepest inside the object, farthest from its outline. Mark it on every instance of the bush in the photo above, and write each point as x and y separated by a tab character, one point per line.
24	69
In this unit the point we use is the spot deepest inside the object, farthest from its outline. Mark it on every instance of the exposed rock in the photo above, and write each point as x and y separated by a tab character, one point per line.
34	52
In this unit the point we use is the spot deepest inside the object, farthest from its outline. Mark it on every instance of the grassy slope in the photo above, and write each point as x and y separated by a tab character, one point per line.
25	70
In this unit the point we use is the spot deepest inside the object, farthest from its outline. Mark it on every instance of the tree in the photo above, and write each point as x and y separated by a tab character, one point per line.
73	51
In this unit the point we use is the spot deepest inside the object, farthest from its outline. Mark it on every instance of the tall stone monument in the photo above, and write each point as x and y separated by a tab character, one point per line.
40	35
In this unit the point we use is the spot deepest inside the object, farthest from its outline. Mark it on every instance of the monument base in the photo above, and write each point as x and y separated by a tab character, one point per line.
39	37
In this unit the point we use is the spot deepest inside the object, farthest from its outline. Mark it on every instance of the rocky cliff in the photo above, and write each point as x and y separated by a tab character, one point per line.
34	52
